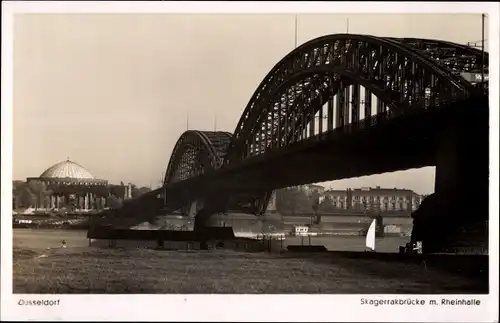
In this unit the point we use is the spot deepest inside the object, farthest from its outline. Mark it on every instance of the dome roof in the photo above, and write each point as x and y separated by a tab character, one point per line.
67	169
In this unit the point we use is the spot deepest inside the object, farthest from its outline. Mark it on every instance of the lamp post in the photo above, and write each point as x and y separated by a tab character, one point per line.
481	46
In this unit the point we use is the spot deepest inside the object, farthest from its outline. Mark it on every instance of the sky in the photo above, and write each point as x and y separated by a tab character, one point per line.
113	92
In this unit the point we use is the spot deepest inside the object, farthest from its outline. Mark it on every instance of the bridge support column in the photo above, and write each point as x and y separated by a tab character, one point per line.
201	222
458	216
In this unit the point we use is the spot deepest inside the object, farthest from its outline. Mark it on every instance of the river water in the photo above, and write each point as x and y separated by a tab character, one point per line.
52	238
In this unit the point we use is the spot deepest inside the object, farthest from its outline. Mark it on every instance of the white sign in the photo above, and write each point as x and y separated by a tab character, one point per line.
474	77
478	77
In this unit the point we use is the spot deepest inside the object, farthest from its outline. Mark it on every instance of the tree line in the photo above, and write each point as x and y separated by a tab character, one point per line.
32	194
293	200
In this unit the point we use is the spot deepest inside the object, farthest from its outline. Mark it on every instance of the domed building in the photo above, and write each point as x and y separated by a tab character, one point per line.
70	184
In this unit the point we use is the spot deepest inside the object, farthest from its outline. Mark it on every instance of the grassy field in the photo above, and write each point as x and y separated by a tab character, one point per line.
41	266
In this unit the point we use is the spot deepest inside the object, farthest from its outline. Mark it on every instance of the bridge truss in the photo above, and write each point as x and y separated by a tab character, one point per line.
343	81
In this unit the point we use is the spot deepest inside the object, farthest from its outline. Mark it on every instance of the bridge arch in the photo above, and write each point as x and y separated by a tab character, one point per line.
390	75
195	153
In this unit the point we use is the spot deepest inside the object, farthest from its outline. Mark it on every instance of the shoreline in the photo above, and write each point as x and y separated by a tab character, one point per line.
256	235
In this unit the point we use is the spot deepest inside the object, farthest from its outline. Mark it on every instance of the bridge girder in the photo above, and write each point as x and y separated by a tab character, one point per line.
403	74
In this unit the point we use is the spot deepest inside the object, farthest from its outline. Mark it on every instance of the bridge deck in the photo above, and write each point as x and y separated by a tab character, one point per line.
403	143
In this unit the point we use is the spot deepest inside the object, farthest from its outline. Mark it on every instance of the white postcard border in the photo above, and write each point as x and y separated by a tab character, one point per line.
241	307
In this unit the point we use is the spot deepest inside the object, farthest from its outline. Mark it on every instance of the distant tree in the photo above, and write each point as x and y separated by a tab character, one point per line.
292	200
39	189
17	190
113	202
102	190
136	192
18	185
315	203
315	200
23	196
117	190
326	204
282	200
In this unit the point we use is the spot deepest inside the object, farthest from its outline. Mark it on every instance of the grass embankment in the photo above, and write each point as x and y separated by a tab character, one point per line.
139	270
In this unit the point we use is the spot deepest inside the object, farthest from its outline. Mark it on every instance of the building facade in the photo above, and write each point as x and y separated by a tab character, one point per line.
375	199
70	184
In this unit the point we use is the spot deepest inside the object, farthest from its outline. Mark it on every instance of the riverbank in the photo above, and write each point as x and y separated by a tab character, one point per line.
52	238
66	223
137	270
243	225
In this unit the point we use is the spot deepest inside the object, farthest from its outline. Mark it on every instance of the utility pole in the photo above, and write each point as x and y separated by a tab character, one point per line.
187	121
480	45
482	51
215	122
296	30
347	25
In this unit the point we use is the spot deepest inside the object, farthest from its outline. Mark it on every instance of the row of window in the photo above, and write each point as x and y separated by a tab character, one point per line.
392	198
385	206
93	183
377	198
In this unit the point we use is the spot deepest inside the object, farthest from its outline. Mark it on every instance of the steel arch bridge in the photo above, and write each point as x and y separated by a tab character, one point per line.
336	84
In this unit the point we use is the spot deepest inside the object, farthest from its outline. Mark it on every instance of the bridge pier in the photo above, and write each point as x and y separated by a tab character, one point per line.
200	224
455	218
201	220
